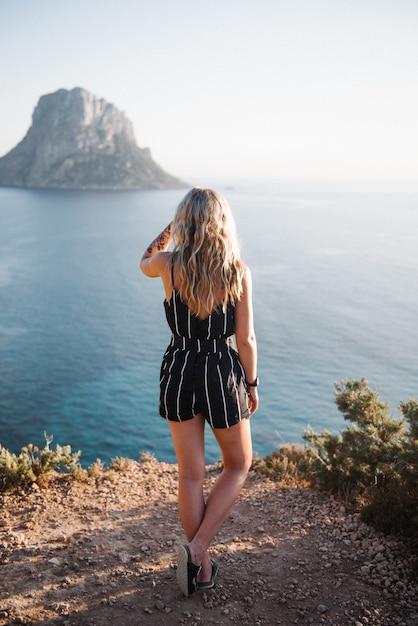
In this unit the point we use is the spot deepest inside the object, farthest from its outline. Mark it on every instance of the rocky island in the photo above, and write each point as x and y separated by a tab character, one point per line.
80	141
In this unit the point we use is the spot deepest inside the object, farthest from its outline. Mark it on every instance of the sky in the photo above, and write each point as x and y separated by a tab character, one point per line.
274	89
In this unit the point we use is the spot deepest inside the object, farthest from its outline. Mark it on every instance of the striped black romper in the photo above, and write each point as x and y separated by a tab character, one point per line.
201	371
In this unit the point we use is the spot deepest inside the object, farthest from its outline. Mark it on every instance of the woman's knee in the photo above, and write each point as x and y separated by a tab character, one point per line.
194	472
239	464
236	446
238	459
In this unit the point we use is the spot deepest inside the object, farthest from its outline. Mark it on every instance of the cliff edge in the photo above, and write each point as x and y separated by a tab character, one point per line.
80	141
103	552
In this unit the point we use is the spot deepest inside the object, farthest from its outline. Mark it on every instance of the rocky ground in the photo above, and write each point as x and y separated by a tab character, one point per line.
103	552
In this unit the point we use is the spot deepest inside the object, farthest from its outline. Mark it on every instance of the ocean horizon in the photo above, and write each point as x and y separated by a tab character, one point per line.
82	331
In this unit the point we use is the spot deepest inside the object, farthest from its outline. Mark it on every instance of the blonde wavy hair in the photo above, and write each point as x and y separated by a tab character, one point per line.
206	255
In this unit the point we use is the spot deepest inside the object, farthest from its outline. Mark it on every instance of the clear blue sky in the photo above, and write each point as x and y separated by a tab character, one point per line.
286	89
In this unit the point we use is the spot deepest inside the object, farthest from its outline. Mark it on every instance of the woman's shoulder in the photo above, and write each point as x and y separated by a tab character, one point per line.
163	259
245	271
156	265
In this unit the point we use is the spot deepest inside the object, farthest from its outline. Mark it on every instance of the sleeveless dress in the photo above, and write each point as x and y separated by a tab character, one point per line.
201	371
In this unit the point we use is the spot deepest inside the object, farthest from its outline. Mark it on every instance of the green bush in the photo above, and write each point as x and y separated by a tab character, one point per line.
394	507
367	452
33	465
374	462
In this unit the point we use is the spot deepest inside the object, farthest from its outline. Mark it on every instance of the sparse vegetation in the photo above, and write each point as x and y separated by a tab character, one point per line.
122	464
284	465
33	465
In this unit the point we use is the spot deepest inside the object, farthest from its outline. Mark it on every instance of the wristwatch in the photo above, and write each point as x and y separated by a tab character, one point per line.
253	384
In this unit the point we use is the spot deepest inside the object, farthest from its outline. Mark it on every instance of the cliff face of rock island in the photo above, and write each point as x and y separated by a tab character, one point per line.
80	141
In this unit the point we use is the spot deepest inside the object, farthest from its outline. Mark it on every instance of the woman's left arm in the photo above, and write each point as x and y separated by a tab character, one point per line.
246	340
153	261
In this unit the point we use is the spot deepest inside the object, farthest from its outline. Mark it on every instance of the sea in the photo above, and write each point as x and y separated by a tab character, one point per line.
82	331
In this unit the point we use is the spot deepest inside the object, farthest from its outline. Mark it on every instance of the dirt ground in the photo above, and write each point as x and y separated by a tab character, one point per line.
103	553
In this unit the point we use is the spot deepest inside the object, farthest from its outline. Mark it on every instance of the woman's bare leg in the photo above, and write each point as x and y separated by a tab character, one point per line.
188	441
200	522
236	448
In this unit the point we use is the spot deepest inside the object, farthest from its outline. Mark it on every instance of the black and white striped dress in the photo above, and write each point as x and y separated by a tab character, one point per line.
201	371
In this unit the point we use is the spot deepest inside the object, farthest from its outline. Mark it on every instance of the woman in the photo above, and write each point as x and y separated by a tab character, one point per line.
203	378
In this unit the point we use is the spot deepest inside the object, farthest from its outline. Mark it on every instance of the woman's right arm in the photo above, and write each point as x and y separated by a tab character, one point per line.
245	338
153	262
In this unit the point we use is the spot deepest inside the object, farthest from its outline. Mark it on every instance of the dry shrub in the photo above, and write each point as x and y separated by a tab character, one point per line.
122	464
284	465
